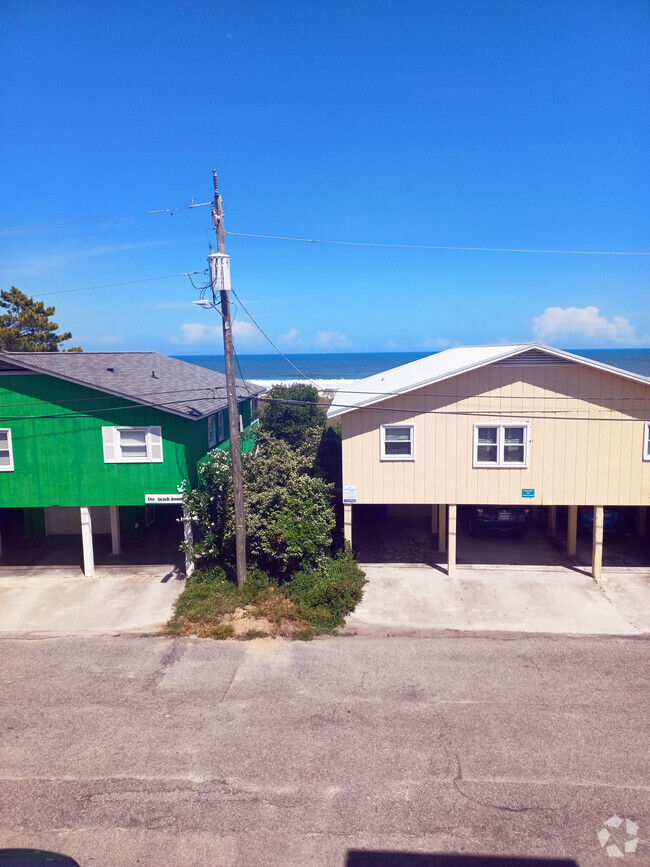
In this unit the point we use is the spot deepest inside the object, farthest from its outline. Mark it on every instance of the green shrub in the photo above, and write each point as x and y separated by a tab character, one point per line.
256	582
329	592
291	411
222	630
208	594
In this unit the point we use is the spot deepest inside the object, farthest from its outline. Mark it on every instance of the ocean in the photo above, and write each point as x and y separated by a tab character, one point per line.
329	370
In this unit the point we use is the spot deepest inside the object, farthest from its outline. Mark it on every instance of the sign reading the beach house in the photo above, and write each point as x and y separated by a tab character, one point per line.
528	492
159	499
349	493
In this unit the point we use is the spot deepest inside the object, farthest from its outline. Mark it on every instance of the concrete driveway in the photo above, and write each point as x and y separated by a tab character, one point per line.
522	599
60	599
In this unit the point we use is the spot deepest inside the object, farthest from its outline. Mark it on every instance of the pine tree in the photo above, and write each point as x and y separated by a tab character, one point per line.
26	327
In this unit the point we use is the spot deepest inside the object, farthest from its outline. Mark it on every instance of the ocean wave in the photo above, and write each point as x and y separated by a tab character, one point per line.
321	384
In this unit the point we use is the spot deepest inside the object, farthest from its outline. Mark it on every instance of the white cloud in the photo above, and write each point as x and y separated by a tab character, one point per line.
584	322
245	331
200	332
330	339
197	332
435	343
292	335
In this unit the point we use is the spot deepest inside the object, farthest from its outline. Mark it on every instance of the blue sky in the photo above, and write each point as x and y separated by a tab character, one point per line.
465	123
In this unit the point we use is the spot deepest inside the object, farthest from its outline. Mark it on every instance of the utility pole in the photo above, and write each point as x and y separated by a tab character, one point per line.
219	264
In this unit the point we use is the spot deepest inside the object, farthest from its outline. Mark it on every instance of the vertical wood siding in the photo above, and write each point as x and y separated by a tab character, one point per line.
57	445
586	439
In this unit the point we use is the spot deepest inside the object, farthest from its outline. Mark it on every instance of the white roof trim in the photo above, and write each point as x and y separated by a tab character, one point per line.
445	365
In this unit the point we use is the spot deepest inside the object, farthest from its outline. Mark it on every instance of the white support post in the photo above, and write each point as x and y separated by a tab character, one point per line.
597	545
87	541
434	519
552	520
572	531
451	547
188	538
116	547
442	527
347	523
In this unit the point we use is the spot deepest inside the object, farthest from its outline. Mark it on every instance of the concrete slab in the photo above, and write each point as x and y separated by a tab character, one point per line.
483	598
628	590
61	600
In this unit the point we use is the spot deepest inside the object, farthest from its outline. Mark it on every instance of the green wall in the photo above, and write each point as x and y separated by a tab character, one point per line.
59	461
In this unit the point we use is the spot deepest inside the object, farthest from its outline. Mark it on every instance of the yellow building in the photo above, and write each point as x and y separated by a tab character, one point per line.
522	424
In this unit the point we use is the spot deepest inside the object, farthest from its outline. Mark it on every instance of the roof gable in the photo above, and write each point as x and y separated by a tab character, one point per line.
452	362
146	378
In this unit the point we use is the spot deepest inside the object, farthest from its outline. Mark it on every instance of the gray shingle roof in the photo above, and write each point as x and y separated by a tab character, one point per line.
143	377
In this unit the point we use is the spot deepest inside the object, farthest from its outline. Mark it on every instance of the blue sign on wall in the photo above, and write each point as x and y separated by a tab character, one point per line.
528	492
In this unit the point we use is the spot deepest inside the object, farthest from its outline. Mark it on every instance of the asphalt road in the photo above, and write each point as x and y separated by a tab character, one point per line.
142	750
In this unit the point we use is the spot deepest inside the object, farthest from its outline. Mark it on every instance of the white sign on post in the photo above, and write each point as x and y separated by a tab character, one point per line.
349	493
161	499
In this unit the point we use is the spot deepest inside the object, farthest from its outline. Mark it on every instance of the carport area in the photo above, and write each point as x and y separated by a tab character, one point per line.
154	544
529	584
438	536
43	587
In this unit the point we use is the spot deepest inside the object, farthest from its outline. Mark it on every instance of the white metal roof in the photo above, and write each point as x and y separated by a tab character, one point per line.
443	365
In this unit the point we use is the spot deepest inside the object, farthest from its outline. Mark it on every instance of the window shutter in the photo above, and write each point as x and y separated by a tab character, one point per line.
155	441
108	440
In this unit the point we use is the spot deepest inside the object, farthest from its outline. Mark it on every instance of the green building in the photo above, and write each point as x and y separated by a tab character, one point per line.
96	442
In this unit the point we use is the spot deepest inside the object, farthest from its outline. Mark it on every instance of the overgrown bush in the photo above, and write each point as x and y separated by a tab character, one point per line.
290	483
290	411
329	592
289	514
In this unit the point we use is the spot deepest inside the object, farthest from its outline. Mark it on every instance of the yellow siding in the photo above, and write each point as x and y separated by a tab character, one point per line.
586	439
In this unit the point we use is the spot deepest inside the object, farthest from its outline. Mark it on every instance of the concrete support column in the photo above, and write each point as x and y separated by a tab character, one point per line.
434	519
87	541
552	520
116	547
188	538
442	527
451	547
572	531
347	523
640	521
597	544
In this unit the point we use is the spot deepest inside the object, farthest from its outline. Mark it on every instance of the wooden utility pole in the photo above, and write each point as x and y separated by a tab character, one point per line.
220	280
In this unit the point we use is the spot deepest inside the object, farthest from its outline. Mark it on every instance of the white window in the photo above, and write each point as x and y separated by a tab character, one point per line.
220	426
500	445
6	453
255	409
212	432
646	442
397	442
132	445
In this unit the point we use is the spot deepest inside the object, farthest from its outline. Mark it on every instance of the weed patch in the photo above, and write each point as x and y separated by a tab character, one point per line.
307	604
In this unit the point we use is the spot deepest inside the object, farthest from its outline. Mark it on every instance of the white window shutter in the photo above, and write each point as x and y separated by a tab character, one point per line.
155	442
108	440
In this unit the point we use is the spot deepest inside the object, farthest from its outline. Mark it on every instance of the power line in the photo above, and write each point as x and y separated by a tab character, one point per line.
124	283
524	416
170	211
133	397
265	335
440	246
